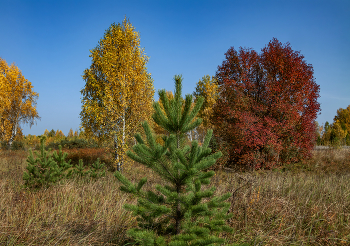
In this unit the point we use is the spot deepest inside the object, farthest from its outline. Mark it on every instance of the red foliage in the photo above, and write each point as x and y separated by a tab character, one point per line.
89	156
267	107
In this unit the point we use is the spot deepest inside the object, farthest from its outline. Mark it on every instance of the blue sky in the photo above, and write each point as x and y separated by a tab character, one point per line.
50	42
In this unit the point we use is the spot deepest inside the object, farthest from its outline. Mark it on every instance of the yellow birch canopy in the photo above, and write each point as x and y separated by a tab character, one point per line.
118	93
343	116
207	88
17	101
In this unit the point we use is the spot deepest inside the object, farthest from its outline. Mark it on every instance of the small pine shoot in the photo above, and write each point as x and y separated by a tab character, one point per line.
97	170
46	169
60	159
41	171
176	214
79	170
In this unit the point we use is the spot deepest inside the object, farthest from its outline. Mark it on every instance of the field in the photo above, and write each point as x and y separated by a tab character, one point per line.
304	204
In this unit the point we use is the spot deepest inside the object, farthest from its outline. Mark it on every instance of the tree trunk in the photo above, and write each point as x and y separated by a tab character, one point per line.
116	155
13	134
178	205
120	156
123	142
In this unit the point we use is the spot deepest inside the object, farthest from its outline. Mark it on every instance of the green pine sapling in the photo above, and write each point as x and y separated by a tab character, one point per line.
79	170
97	170
60	159
41	171
176	214
47	169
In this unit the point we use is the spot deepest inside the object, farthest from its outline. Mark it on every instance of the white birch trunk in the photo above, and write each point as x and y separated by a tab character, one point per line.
122	147
116	155
13	134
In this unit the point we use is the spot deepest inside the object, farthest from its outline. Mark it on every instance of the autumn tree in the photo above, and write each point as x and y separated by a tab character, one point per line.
207	88
343	117
118	93
337	133
70	133
267	105
17	102
319	133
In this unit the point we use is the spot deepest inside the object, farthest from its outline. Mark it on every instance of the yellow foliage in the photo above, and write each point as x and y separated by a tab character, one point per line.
207	87
59	134
343	116
46	132
70	133
17	101
339	132
118	93
32	141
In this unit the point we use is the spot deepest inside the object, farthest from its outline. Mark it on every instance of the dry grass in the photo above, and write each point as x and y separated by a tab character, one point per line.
304	204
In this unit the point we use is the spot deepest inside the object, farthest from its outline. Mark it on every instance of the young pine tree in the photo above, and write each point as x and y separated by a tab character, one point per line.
43	170
176	214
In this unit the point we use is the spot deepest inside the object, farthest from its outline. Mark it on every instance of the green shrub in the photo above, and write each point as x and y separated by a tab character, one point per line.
47	169
44	170
79	170
16	145
97	170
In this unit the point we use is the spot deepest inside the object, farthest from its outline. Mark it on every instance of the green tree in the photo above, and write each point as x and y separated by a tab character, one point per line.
118	93
46	169
176	214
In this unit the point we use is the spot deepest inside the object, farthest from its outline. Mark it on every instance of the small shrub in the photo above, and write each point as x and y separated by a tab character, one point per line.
63	166
89	156
46	169
43	170
97	170
16	145
79	170
75	143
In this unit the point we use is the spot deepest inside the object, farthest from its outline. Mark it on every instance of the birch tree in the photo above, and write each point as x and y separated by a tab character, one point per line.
207	87
118	93
17	102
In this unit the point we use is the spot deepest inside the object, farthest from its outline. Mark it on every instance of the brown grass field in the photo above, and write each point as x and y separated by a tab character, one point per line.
303	204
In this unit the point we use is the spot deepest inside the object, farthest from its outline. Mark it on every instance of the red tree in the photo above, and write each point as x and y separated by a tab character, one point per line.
267	107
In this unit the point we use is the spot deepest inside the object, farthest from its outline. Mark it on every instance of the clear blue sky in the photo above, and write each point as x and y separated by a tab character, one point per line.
50	42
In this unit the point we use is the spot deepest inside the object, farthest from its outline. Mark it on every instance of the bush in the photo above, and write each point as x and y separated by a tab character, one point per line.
16	145
90	156
75	143
95	172
45	169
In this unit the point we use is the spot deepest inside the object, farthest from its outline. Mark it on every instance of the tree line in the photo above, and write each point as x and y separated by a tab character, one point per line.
337	133
262	106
